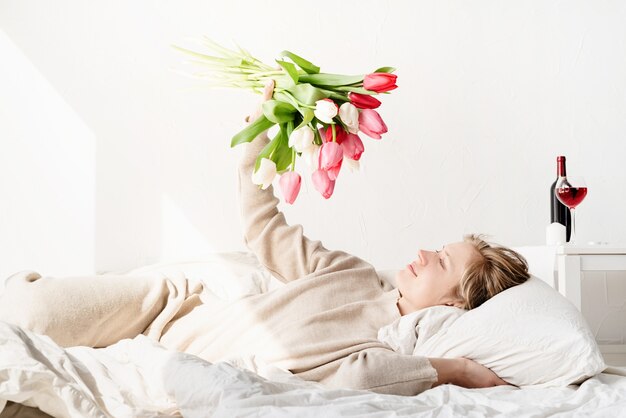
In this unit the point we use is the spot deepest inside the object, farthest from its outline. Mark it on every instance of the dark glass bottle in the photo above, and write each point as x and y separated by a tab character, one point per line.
558	211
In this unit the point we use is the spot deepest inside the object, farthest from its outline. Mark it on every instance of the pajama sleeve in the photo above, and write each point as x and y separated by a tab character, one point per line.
384	371
281	248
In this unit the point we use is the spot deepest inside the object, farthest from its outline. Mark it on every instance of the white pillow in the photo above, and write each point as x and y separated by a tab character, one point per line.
528	335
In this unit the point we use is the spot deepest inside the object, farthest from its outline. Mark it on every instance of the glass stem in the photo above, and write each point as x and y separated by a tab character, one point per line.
572	238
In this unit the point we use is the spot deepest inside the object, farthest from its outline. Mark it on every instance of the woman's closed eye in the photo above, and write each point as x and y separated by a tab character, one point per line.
440	260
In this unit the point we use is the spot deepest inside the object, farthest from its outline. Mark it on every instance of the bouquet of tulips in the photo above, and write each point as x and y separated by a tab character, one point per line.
319	115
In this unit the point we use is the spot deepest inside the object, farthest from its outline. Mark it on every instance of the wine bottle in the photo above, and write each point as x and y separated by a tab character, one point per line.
558	211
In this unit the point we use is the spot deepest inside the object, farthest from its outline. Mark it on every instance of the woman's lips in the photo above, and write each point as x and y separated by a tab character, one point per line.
410	266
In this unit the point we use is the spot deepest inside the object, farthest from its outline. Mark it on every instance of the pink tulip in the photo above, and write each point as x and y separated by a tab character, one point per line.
289	184
380	82
331	154
371	124
363	101
333	172
327	134
352	147
323	183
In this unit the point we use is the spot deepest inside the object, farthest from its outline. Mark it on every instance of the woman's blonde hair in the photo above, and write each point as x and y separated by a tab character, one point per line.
497	269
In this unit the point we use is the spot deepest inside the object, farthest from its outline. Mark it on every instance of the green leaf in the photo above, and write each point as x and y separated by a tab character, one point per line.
277	111
307	94
318	137
307	117
251	131
283	82
336	95
285	97
283	154
290	69
267	151
307	66
385	70
331	79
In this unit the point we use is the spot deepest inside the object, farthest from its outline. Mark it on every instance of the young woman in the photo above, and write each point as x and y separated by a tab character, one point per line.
322	325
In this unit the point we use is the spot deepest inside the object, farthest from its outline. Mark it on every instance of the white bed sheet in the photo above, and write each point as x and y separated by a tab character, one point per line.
139	378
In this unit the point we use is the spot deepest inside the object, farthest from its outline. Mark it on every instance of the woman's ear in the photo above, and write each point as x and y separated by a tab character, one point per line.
455	301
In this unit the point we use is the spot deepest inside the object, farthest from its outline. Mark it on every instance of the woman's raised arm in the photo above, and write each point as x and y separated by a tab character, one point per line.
281	248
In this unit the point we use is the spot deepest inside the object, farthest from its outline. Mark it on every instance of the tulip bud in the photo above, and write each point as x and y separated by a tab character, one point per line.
371	124
325	110
265	174
380	82
290	186
323	183
301	139
363	101
327	134
349	115
331	154
352	147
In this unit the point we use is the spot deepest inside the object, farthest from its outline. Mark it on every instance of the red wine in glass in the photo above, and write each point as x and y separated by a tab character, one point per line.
571	196
571	191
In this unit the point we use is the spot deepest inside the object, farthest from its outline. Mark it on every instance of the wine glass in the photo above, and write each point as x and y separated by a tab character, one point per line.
571	191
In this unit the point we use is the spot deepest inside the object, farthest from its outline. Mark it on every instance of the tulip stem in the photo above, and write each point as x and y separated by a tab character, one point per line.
266	73
293	159
285	91
332	126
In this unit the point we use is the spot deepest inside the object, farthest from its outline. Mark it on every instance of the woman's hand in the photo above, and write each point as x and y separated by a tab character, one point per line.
267	95
464	372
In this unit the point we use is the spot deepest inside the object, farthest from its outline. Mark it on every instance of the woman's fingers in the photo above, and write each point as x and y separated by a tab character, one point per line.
269	90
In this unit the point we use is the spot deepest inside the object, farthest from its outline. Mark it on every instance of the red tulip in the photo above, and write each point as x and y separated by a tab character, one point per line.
327	134
289	184
371	124
323	183
363	101
352	147
380	82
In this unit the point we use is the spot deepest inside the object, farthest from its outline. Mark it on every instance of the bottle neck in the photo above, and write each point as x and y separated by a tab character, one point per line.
560	167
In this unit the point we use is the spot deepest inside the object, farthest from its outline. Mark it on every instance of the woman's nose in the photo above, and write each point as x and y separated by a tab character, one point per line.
424	256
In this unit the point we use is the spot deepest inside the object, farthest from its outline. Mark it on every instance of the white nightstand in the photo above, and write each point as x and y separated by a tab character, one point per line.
593	278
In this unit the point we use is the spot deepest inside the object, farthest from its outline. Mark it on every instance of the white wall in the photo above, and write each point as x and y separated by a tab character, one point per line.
47	174
490	92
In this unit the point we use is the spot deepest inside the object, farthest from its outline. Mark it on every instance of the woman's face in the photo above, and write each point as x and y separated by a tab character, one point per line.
433	277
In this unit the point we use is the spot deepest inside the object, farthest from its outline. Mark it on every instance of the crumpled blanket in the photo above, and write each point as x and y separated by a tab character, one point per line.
409	332
140	378
133	378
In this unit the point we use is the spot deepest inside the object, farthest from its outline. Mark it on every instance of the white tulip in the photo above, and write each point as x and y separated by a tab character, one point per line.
325	110
265	174
301	139
349	114
351	164
311	156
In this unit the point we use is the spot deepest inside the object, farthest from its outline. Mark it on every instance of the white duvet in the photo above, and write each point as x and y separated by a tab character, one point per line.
140	378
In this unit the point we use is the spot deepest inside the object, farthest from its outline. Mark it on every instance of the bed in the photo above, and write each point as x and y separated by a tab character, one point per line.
139	378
